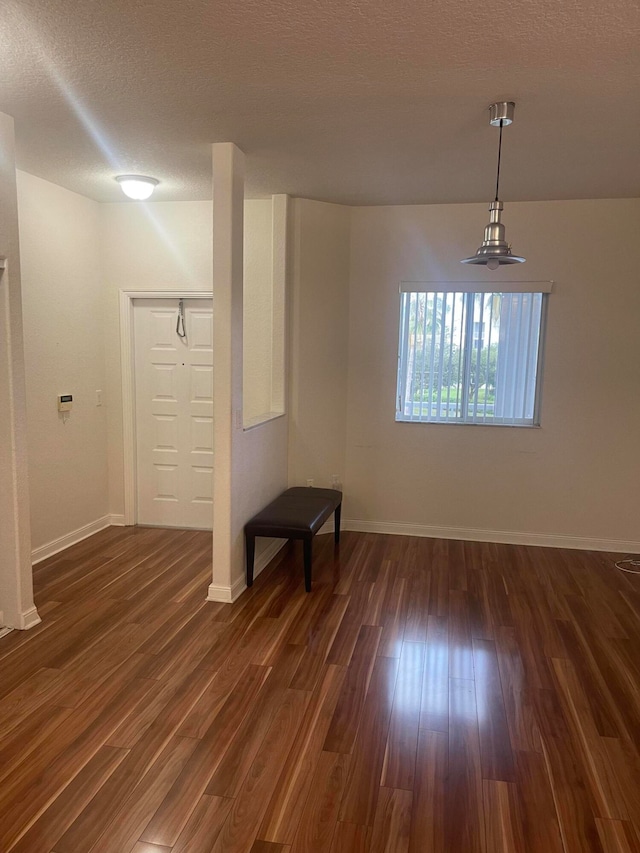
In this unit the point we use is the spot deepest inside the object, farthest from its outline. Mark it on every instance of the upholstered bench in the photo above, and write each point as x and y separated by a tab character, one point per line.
297	514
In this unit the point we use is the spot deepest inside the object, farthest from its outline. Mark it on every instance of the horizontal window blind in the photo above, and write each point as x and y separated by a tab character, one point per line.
470	357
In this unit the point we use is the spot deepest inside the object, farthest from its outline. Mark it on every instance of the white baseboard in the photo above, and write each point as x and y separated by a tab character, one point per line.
116	520
229	594
505	537
25	621
28	619
226	594
69	539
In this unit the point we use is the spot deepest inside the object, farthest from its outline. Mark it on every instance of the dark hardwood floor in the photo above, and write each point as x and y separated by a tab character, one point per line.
428	695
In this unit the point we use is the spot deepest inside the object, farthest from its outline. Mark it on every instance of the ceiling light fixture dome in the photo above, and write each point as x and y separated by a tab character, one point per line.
138	187
495	251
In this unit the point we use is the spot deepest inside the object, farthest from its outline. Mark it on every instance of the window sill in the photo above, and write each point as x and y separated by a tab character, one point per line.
466	423
258	420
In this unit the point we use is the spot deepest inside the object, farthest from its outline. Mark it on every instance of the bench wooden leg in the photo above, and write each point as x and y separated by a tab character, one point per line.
251	550
336	523
308	550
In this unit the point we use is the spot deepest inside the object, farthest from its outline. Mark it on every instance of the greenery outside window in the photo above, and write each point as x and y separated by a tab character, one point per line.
471	356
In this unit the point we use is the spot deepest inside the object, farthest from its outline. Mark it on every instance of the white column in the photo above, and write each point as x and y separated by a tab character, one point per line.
16	586
228	220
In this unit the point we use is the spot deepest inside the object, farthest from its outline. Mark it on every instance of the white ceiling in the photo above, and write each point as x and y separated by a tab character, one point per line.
352	101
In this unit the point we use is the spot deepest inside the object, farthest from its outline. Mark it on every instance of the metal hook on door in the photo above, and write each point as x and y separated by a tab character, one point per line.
181	330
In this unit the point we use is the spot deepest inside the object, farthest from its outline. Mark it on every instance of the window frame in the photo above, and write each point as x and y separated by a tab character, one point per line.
469	290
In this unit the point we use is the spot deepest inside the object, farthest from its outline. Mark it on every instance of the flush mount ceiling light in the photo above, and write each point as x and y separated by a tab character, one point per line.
495	251
138	187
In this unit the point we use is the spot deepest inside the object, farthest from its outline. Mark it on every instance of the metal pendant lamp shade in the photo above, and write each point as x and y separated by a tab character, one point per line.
495	251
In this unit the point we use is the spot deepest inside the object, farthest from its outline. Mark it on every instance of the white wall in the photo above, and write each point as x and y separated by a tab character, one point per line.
577	475
64	352
16	589
319	341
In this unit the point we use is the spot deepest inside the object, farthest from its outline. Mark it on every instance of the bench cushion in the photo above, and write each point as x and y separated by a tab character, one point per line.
296	513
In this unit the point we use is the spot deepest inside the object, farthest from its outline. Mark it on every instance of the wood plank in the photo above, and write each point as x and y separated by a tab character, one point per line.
596	768
457	553
625	762
518	693
464	826
319	814
29	695
347	635
502	819
34	732
540	826
575	816
374	611
296	776
351	838
536	635
428	809
480	615
393	618
618	836
173	813
321	634
62	758
204	825
346	717
56	819
496	757
415	629
581	654
399	766
123	832
365	769
242	748
188	648
243	822
434	708
268	847
439	570
460	640
96	665
86	829
392	824
169	699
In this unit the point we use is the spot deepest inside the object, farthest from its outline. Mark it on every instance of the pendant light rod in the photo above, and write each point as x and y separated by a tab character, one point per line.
497	198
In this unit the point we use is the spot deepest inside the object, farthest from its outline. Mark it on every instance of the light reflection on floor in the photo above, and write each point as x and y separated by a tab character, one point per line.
426	690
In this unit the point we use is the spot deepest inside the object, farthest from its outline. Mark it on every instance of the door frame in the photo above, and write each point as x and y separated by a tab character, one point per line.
127	367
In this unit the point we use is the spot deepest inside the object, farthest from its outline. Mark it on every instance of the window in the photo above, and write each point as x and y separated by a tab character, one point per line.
470	357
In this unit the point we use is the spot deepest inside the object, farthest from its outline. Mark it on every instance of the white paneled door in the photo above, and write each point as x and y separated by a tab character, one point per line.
174	412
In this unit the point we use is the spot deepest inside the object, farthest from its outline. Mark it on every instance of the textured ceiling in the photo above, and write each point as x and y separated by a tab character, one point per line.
353	101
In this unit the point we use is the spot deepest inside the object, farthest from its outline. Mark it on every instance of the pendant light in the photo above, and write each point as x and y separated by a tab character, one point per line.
495	251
